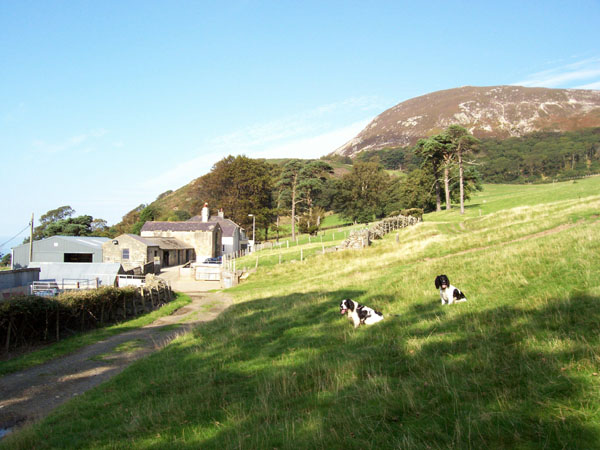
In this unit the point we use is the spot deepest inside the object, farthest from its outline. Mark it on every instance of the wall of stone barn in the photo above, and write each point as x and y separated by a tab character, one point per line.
138	252
206	244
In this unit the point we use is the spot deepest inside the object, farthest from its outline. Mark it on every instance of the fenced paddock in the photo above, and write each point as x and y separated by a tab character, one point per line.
307	246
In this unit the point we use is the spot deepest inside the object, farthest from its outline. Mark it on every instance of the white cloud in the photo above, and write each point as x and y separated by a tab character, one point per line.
567	76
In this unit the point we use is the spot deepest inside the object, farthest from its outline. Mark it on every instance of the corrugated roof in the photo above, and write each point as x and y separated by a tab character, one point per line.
179	226
88	241
106	272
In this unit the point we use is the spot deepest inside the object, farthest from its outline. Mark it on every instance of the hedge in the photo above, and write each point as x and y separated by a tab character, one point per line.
29	320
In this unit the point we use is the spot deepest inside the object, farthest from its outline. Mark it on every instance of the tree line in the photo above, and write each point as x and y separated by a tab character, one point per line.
439	171
304	190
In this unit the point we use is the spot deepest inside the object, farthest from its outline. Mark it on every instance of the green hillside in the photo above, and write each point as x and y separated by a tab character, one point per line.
517	366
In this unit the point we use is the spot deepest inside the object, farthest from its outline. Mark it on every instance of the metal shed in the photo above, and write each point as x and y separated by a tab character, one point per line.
80	275
61	249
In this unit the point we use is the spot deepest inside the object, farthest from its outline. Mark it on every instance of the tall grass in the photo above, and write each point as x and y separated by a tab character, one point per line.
514	367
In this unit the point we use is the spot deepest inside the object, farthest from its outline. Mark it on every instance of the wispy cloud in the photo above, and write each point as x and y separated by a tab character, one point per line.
69	143
308	134
301	125
570	75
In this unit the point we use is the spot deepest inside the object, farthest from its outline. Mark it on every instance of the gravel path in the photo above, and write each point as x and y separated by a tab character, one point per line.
30	395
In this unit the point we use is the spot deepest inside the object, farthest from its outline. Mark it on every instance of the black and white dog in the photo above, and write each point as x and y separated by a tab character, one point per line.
448	293
359	314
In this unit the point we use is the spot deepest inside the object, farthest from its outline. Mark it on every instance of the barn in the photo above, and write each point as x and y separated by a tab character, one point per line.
60	249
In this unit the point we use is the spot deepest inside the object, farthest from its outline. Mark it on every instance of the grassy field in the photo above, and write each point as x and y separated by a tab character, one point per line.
517	366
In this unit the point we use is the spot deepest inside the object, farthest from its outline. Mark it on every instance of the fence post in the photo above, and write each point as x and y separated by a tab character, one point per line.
7	346
323	245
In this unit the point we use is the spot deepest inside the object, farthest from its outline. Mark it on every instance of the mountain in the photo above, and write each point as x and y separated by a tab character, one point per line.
497	111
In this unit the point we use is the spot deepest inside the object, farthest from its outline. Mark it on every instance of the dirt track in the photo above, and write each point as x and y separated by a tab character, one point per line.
30	395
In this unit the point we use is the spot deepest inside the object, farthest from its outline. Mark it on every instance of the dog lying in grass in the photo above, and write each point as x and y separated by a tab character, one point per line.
448	293
359	314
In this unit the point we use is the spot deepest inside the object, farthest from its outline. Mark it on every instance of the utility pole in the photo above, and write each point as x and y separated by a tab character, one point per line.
31	240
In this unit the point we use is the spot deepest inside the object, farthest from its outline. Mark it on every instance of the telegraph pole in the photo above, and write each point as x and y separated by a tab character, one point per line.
31	240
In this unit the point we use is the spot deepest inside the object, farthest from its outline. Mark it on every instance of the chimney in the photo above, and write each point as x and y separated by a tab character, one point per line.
221	213
205	213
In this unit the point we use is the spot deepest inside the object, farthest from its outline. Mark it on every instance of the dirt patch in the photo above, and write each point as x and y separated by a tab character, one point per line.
30	395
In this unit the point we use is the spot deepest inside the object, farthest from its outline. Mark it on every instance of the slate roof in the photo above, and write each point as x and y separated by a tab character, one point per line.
227	225
179	226
161	242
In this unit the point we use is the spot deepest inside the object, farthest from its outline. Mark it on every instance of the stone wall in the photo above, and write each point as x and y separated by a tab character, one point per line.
139	253
362	238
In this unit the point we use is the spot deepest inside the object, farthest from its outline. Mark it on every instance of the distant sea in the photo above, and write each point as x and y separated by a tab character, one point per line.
6	248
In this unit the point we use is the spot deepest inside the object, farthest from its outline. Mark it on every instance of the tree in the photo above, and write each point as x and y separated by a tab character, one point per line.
363	192
6	259
52	216
241	186
415	191
299	183
99	226
432	152
179	215
461	142
72	226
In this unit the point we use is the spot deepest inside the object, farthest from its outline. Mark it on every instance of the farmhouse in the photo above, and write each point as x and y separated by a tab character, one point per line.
134	251
234	237
204	238
60	249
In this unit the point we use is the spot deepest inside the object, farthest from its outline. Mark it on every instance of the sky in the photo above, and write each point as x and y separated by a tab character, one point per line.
106	105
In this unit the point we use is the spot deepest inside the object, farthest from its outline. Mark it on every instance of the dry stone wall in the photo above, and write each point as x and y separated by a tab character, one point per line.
362	238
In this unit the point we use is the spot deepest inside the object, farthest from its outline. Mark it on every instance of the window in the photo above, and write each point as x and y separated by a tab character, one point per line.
125	254
78	257
155	253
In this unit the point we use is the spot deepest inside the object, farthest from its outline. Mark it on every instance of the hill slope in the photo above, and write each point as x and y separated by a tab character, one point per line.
498	111
514	367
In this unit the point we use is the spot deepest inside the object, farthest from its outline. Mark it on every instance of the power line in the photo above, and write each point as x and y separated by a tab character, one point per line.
16	235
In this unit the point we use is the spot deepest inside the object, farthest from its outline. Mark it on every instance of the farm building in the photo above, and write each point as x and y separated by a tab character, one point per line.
60	249
79	275
133	251
234	237
204	238
17	282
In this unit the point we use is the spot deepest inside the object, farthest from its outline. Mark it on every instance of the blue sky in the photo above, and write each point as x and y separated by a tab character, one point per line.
105	105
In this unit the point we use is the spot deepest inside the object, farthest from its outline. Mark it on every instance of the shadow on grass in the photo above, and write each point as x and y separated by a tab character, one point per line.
289	372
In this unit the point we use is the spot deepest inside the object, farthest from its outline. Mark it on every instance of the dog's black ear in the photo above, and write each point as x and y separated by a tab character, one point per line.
458	294
351	304
438	283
